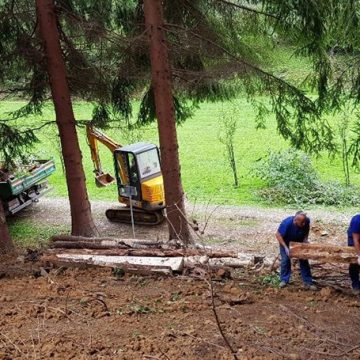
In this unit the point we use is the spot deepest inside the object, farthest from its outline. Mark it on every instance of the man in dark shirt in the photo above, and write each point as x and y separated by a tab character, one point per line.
354	240
294	228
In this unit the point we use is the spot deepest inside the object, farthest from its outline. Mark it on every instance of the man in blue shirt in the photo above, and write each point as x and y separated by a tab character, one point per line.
294	228
354	240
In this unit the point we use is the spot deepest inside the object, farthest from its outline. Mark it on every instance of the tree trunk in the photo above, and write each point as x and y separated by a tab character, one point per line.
6	244
81	219
161	83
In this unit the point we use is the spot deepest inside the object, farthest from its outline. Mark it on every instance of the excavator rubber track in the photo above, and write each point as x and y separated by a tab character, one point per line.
141	217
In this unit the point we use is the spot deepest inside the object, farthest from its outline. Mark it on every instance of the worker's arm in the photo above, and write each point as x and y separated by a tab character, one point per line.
282	242
356	237
306	238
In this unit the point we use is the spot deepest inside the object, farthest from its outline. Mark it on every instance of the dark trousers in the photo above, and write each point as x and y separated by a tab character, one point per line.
285	268
354	275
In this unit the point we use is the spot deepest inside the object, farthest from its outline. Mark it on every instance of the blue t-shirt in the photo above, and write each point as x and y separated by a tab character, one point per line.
354	227
291	232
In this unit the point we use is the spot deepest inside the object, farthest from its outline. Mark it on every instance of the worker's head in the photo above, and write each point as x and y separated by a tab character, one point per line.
300	219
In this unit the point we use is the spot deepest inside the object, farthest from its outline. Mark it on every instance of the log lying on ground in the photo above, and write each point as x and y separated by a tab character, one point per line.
80	242
157	252
142	256
323	253
150	264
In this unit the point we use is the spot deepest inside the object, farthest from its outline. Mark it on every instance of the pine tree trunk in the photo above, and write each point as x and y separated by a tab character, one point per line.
161	82
82	222
6	244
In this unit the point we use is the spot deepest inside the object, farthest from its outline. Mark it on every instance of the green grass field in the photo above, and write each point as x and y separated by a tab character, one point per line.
206	175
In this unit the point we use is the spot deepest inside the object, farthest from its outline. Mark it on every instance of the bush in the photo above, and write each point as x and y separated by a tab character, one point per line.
292	179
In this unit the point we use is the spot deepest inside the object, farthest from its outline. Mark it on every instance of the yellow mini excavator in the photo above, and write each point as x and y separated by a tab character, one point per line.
138	177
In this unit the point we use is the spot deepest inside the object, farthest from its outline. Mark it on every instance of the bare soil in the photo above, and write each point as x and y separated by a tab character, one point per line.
89	313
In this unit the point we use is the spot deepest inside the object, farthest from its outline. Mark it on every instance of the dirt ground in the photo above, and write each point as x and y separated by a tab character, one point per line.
94	313
246	228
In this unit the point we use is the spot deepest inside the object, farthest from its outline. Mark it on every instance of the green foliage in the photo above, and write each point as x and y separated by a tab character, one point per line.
147	112
345	154
122	91
101	116
272	280
118	272
291	179
354	147
14	144
228	120
214	52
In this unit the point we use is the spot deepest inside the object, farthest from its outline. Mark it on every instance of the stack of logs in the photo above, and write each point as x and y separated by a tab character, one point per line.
137	255
134	255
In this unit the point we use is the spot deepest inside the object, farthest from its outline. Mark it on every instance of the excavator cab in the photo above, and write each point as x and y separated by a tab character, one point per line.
137	166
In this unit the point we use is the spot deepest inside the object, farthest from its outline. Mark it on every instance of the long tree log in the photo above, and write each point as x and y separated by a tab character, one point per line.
103	238
126	267
174	263
323	253
142	252
82	242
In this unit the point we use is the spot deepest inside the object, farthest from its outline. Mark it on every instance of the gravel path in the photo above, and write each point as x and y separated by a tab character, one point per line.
245	227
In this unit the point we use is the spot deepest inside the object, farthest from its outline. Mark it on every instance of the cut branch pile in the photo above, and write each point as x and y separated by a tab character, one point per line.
134	255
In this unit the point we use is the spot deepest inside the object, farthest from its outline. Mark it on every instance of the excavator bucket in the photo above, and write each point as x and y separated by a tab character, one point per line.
104	180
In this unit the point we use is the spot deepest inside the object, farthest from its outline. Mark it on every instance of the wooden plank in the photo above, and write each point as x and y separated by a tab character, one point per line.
174	263
323	253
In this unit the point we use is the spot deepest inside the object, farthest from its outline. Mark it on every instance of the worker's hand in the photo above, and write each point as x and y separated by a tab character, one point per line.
287	251
358	260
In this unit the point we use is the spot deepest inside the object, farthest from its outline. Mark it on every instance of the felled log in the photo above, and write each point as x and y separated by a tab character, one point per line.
150	264
323	253
91	250
102	242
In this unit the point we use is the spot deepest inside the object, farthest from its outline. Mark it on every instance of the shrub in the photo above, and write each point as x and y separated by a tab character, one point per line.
292	179
227	136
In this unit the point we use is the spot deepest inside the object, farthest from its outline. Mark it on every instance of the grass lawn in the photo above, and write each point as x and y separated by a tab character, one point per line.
28	233
206	175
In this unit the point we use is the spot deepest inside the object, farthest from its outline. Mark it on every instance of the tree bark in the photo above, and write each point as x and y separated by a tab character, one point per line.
323	253
165	112
81	219
6	244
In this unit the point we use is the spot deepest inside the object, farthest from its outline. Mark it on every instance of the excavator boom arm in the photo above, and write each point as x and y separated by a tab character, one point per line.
94	136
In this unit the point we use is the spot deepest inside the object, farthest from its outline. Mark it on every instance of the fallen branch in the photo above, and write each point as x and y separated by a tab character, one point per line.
216	316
